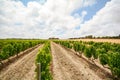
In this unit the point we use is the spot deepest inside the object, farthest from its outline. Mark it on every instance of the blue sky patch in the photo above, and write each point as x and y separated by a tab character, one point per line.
26	1
91	10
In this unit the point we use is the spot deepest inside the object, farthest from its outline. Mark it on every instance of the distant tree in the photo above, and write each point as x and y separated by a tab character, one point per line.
89	36
119	36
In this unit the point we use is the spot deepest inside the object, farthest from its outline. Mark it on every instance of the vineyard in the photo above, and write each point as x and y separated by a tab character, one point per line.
59	60
9	48
107	53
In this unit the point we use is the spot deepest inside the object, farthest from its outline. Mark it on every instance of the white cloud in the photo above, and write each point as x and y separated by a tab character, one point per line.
40	21
105	23
88	2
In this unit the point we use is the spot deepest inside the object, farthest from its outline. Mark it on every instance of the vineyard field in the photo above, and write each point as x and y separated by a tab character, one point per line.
65	60
22	69
59	39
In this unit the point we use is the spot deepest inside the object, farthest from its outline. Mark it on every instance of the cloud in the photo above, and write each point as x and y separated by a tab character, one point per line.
36	20
106	22
88	2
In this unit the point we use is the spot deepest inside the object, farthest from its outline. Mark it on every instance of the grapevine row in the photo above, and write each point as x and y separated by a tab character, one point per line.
44	58
107	53
13	47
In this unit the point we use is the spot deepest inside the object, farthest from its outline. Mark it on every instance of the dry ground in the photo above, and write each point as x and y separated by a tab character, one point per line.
100	40
68	66
22	69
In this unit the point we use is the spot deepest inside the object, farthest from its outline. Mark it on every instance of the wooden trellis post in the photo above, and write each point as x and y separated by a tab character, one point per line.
38	71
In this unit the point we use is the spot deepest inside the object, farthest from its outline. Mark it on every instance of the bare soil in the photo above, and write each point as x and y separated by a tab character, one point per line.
21	69
68	66
100	40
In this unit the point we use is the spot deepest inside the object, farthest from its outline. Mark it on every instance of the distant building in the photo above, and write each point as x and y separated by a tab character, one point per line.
53	38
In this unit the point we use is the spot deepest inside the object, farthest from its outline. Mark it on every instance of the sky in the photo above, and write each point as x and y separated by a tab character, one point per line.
59	18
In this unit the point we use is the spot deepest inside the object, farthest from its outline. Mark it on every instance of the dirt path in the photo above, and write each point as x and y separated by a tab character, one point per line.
68	66
22	69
